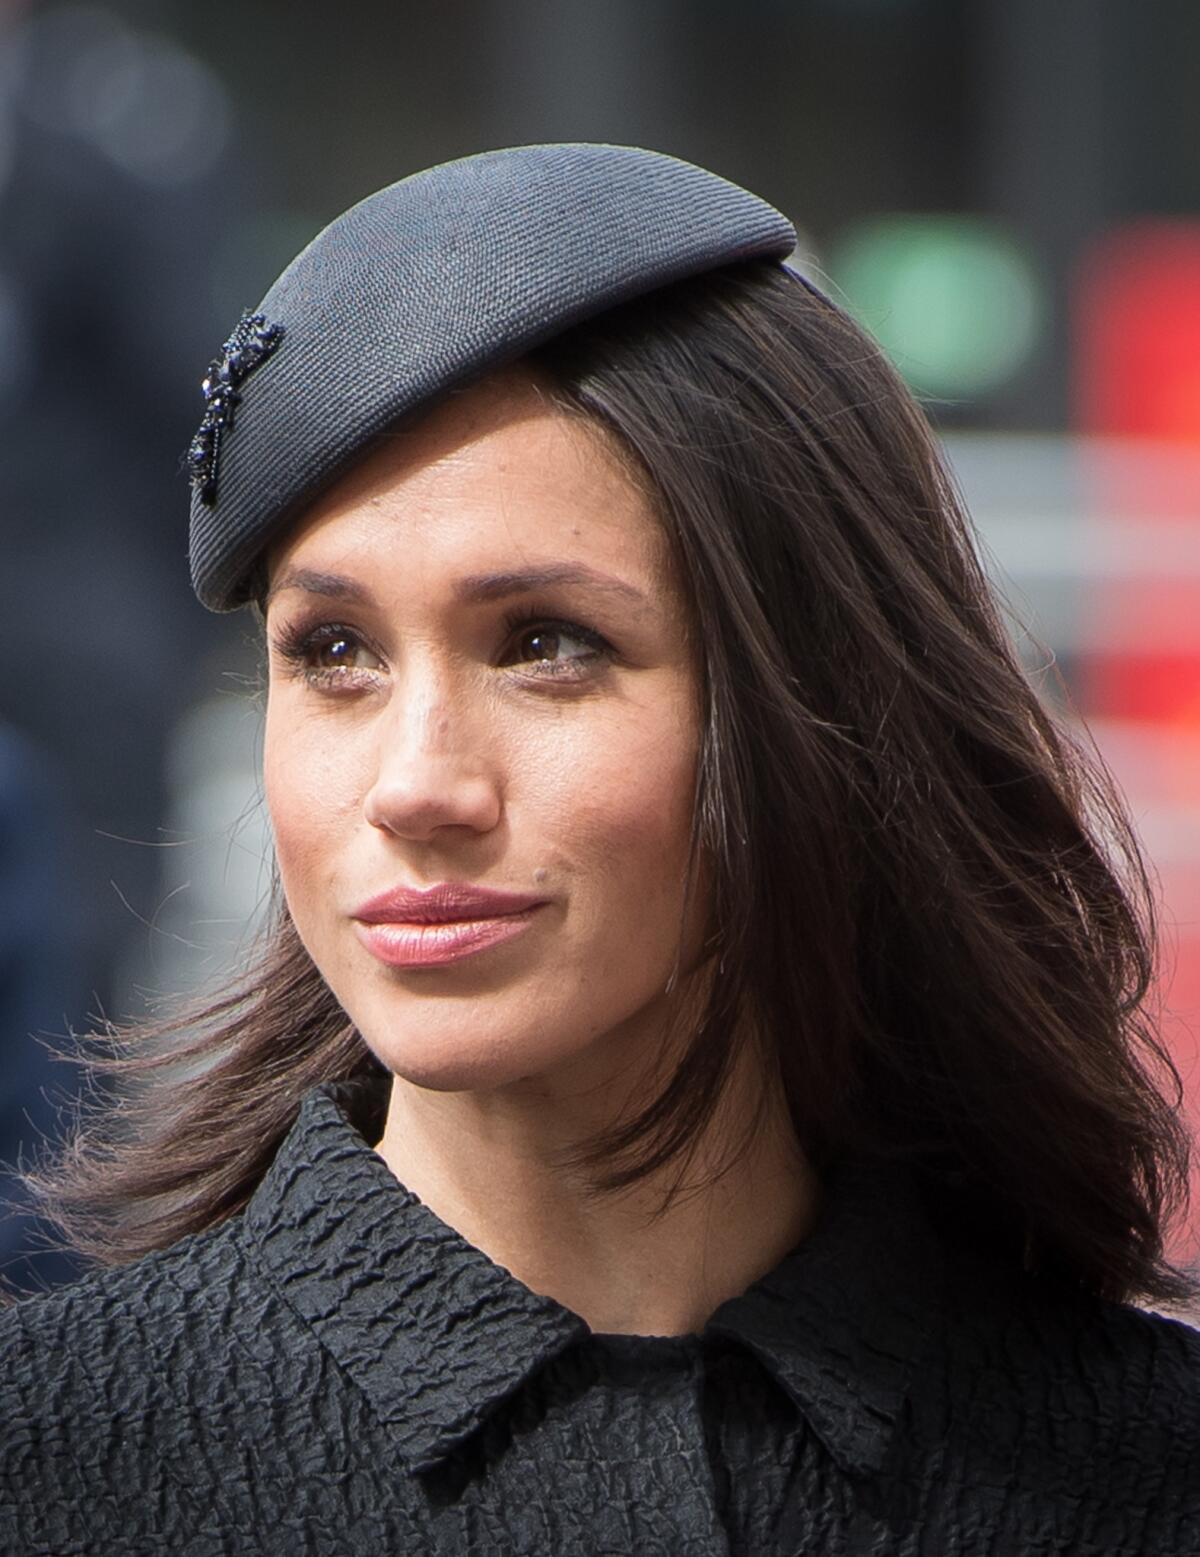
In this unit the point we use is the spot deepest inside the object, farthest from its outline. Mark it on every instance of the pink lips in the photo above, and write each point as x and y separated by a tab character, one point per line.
411	928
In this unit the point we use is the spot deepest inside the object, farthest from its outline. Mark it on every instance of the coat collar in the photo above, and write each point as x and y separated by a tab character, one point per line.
843	1321
437	1334
433	1331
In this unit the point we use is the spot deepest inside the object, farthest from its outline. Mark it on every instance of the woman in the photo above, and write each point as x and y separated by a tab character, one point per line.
697	1094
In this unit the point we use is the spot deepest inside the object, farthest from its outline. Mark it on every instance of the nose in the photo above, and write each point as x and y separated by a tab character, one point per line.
432	767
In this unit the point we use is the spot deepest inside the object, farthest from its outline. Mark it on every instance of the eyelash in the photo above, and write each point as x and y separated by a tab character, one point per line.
296	644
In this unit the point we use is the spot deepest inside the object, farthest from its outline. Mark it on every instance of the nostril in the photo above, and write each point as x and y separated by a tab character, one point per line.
414	806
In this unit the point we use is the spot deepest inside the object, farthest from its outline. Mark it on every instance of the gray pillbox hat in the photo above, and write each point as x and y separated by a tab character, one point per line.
424	286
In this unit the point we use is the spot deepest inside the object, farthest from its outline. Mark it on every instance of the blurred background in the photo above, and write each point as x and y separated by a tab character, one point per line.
1006	192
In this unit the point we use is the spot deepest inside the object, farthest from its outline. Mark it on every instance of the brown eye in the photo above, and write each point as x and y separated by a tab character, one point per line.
542	643
556	643
336	652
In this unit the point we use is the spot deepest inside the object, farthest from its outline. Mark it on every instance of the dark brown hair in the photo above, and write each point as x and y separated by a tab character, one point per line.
929	903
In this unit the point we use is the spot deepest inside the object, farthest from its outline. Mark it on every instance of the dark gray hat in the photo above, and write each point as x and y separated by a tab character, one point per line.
424	286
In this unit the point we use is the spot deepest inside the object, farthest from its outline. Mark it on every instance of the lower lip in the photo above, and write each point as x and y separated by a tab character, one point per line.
430	945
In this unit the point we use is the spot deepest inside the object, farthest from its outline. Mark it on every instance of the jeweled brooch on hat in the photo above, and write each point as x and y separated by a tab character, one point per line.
252	342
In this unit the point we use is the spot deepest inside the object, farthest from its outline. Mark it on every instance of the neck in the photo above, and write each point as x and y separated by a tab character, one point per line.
490	1165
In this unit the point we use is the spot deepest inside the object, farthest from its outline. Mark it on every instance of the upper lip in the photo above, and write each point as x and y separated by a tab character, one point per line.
442	903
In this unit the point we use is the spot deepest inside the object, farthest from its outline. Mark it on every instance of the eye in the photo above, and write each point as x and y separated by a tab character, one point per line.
548	643
555	648
342	651
328	655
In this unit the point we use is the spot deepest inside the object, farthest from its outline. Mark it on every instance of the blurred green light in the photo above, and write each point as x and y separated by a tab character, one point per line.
955	302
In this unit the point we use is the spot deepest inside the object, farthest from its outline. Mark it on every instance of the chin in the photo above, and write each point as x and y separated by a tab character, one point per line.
462	1063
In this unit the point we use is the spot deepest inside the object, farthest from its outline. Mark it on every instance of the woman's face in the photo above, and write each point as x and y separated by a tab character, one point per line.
480	674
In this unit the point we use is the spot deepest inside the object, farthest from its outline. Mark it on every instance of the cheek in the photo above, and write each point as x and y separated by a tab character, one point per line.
313	790
621	808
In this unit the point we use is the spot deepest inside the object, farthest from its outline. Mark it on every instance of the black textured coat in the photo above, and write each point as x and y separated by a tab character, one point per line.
337	1371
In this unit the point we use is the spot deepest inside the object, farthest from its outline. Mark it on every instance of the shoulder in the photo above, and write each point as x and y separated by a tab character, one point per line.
139	1395
79	1336
130	1377
116	1343
1075	1404
1054	1339
122	1338
1144	1369
1172	1345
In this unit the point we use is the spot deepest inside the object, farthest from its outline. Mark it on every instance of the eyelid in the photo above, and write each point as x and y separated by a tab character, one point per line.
519	618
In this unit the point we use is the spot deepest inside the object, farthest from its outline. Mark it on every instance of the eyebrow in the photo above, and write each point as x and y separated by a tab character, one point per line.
312	582
475	589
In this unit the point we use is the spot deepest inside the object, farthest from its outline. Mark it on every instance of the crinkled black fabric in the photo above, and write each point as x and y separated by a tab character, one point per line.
337	1371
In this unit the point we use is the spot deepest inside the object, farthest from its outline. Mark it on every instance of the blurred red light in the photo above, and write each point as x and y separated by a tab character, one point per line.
1137	328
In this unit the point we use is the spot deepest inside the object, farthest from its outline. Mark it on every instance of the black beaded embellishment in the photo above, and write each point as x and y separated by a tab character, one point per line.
251	343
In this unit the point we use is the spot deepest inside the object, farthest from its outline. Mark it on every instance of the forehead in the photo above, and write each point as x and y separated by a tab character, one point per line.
497	474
